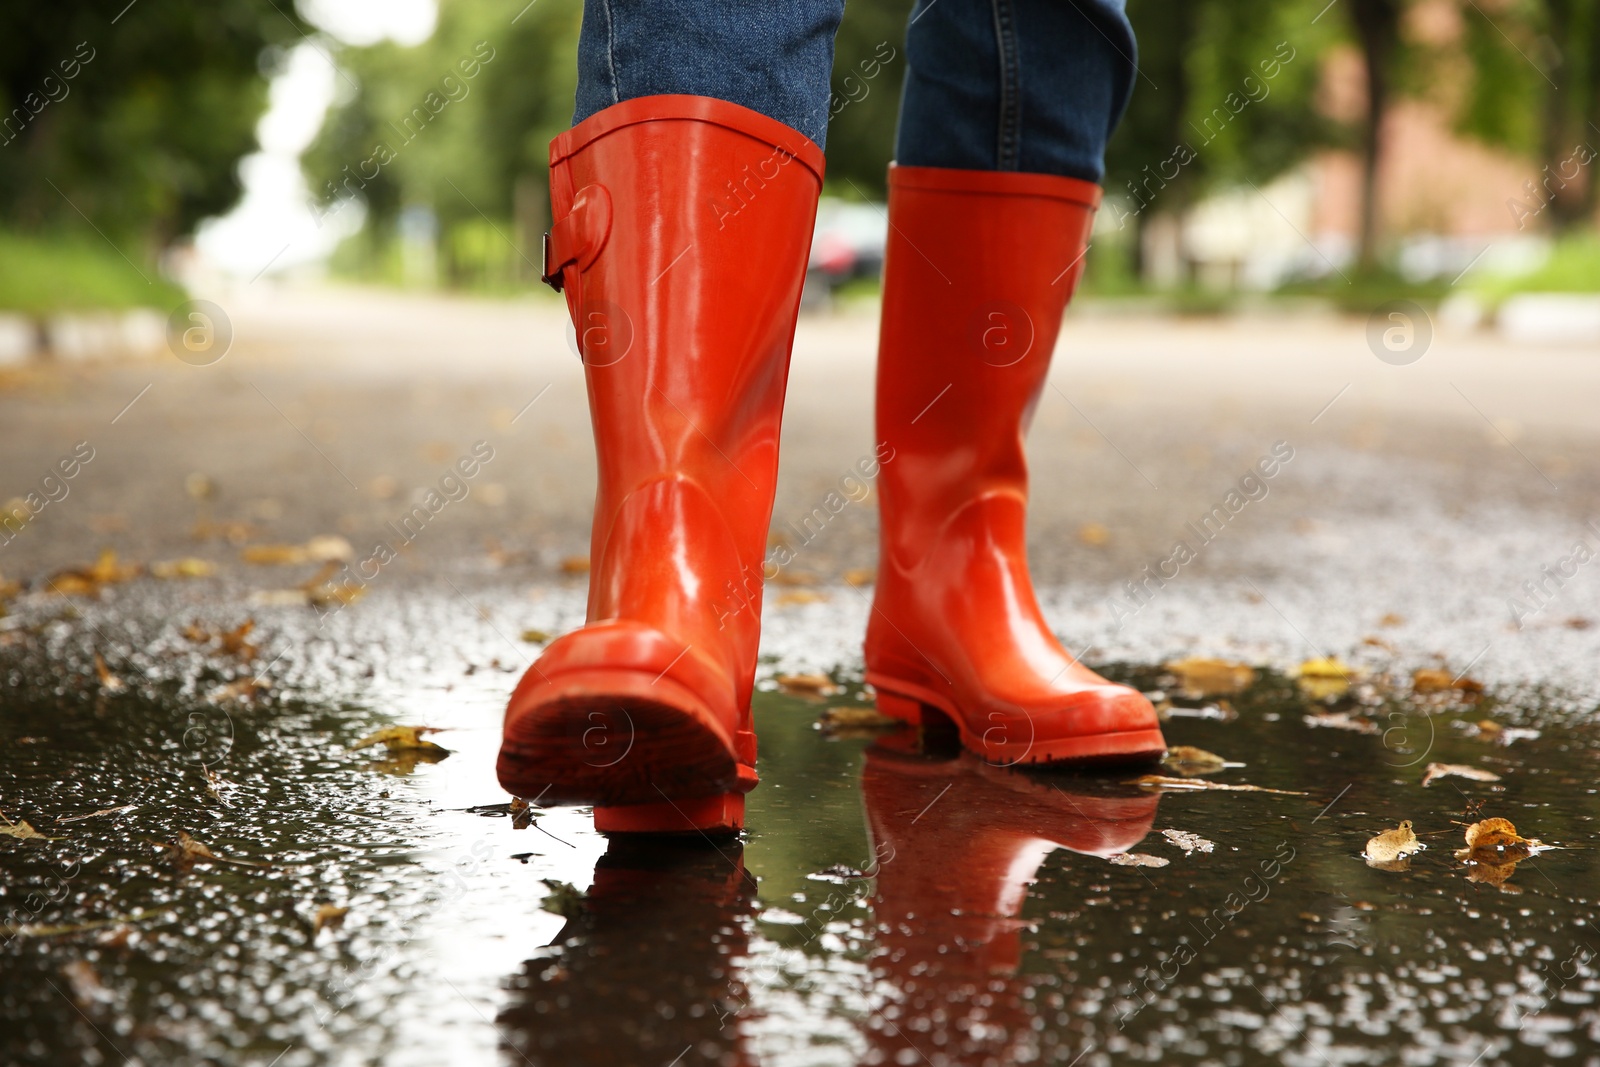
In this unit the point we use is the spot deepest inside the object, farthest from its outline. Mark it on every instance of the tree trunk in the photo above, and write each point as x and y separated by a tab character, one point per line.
1377	27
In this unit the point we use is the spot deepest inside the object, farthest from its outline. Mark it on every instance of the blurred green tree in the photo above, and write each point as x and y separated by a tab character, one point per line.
1225	94
1534	88
459	125
134	120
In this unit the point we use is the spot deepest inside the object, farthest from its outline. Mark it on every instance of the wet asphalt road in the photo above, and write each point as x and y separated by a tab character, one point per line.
1419	500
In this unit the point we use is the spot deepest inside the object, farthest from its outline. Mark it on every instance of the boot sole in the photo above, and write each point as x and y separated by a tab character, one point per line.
911	703
642	750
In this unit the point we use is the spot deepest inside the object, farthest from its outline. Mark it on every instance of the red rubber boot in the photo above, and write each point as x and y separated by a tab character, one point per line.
979	267
682	230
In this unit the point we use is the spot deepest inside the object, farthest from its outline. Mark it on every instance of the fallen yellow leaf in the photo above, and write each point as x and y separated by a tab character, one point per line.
1325	677
799	596
1202	677
402	739
187	567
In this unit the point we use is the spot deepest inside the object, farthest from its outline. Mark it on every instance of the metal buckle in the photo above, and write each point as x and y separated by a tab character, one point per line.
552	279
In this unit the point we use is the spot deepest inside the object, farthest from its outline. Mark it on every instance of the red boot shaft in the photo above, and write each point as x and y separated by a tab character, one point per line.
980	266
682	230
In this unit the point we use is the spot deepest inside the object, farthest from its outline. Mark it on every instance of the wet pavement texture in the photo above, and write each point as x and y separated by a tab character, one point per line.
893	901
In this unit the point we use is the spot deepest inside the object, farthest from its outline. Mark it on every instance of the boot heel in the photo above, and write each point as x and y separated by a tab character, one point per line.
907	709
706	815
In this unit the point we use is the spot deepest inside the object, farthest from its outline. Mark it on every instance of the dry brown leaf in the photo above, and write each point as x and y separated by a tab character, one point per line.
21	830
1094	534
1189	842
860	717
1341	720
1433	680
84	981
108	681
1202	677
186	851
1457	770
1391	619
97	814
187	567
1188	761
575	565
233	641
1496	841
799	596
246	689
1325	677
277	555
1137	859
859	576
1393	844
403	739
87	581
1160	781
817	685
329	917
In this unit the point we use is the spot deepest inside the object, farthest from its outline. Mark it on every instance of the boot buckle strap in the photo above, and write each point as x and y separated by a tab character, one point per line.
578	238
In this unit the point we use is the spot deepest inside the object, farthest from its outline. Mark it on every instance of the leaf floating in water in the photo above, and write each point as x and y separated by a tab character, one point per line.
108	681
1393	845
1341	720
184	852
1433	680
1457	770
97	814
404	739
1190	843
1494	841
1188	760
1494	848
1137	859
1160	781
328	917
1324	678
1200	677
84	981
21	830
564	899
816	685
861	720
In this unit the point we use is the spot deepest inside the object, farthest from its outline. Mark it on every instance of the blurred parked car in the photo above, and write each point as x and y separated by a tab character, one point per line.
848	244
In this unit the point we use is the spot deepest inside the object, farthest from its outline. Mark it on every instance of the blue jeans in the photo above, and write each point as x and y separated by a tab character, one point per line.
1021	85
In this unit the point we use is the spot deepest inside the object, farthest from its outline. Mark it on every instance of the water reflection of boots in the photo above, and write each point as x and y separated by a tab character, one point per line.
644	969
958	841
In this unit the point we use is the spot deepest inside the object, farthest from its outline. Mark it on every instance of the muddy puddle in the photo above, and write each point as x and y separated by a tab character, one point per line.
894	902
